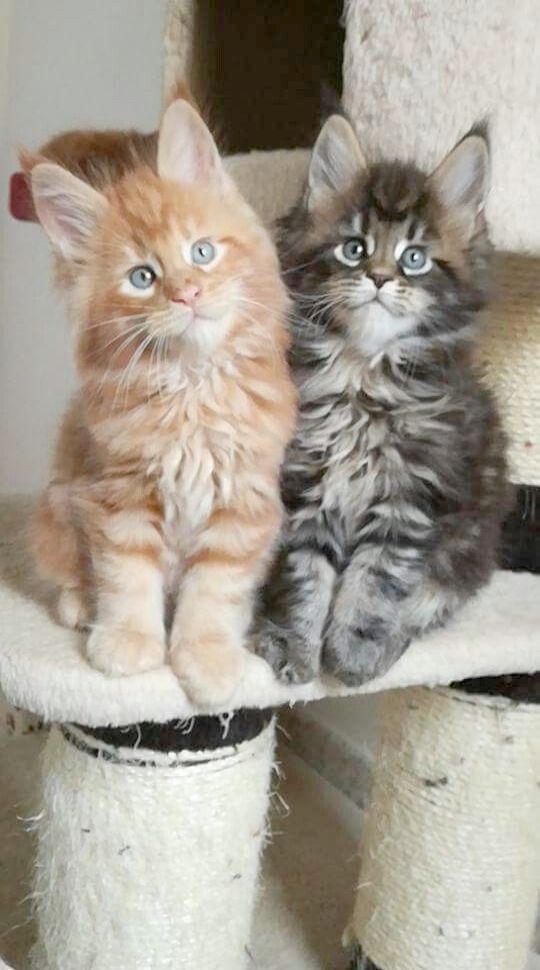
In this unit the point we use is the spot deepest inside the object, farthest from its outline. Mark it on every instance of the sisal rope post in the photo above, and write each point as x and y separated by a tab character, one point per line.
148	858
462	82
178	40
509	354
450	850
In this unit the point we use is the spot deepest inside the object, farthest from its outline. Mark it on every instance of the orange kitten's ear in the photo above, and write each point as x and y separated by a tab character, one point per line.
28	160
336	160
187	152
68	208
461	181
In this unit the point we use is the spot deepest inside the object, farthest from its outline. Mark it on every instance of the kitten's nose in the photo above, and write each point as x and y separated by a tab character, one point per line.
380	279
185	294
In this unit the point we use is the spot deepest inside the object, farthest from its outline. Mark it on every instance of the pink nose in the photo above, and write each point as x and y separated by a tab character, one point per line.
187	294
380	279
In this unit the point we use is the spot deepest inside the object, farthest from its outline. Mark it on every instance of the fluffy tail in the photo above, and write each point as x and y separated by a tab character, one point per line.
99	157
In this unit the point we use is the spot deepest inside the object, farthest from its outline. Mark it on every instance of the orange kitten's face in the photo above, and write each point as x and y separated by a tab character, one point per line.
172	264
161	266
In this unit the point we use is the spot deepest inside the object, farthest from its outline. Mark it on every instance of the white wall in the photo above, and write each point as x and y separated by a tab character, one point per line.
70	63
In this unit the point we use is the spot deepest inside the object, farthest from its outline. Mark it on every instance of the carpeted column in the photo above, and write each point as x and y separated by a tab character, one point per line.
148	844
450	850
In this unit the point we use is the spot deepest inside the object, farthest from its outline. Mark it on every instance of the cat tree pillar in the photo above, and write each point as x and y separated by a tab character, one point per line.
148	844
451	841
449	857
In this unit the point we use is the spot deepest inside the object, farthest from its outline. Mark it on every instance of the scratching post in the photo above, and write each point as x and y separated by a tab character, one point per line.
510	357
472	61
450	849
148	844
178	43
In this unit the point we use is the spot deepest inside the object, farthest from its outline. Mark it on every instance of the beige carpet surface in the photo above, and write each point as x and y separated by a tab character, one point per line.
43	669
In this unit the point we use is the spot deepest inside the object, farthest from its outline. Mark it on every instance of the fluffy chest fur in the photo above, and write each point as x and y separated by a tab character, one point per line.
194	472
201	443
375	451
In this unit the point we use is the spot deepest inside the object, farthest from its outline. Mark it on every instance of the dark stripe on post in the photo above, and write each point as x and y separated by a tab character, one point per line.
205	732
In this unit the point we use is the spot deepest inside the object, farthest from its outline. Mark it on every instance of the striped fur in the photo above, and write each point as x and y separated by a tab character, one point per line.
395	482
165	497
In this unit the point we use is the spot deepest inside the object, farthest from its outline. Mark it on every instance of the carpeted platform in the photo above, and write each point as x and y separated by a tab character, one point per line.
43	668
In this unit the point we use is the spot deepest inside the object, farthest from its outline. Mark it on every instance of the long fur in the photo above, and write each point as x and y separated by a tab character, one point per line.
165	491
395	482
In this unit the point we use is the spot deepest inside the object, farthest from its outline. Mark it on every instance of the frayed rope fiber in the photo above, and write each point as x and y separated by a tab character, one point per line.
149	866
450	849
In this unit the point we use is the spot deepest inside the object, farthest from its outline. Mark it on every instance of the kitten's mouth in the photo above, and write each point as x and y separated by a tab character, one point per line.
388	304
187	317
376	298
188	320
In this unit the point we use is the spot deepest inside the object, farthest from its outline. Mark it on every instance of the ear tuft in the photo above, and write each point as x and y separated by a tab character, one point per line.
68	208
336	160
179	91
187	153
28	160
461	181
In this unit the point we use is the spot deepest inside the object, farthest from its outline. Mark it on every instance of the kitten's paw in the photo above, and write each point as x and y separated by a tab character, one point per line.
72	610
120	652
354	657
291	657
208	670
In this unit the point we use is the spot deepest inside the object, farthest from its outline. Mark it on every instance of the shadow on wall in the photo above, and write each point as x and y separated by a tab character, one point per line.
258	67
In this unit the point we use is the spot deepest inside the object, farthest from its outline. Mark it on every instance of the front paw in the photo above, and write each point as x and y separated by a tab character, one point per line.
72	609
355	655
292	658
209	670
120	651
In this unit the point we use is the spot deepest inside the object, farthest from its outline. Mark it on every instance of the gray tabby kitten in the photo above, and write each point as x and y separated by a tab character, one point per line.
395	483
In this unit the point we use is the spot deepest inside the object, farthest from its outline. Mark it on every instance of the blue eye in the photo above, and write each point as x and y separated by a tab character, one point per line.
414	259
142	277
203	252
351	252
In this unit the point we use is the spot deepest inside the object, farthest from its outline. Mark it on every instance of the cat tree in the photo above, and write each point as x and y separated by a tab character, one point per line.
152	816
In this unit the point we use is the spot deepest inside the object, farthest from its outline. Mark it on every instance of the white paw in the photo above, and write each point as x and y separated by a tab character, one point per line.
208	670
120	651
72	611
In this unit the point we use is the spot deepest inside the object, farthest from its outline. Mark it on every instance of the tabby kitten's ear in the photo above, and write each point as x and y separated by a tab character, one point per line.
187	153
336	161
67	208
461	182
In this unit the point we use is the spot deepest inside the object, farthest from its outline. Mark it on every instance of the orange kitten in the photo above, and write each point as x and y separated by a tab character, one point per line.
166	475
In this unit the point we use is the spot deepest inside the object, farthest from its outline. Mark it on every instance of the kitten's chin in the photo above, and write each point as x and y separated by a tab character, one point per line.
206	333
374	329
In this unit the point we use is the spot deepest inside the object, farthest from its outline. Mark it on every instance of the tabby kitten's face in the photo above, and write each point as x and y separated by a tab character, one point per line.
384	253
